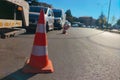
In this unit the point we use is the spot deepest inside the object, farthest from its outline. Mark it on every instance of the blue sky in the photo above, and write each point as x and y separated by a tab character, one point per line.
87	7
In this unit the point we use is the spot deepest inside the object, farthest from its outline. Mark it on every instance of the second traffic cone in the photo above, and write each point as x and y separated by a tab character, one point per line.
39	61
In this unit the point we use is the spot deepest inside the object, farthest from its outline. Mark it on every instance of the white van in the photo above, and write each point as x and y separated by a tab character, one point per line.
35	12
59	18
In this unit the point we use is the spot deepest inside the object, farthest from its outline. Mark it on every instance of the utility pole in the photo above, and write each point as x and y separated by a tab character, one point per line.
108	13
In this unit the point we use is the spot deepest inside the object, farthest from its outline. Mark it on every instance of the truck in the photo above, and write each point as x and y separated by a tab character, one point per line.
59	18
14	14
34	15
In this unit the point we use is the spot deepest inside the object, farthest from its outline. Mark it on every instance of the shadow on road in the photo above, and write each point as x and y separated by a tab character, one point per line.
18	75
30	31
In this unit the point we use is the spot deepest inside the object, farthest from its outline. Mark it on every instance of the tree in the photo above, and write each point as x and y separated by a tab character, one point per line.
75	19
102	21
118	22
69	16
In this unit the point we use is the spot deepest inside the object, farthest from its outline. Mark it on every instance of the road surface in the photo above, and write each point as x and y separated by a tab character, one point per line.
81	54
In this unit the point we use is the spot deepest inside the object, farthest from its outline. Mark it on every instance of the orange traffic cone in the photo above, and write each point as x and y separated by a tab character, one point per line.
39	61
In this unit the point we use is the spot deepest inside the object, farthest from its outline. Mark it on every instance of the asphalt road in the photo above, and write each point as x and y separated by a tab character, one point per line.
81	54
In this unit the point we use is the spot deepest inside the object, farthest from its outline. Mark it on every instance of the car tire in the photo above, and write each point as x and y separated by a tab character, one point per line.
47	27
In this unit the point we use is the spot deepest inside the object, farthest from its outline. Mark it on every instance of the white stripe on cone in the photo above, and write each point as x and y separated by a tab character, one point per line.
41	28
39	50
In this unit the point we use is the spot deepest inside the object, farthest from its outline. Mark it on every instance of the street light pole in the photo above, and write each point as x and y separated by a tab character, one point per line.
108	13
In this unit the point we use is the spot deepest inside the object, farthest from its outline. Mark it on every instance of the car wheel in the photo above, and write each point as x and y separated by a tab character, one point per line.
47	27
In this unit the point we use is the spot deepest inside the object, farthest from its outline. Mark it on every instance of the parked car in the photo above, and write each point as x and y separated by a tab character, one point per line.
116	27
75	25
49	16
68	23
59	18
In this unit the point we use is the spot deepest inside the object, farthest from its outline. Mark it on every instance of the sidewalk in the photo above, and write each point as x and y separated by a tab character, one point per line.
115	31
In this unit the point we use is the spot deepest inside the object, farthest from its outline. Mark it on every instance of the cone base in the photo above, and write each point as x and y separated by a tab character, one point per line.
47	69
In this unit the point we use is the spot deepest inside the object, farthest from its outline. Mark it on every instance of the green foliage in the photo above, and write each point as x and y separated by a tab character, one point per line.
69	16
101	21
68	13
118	22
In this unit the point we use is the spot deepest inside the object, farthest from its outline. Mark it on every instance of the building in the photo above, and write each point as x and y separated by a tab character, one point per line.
88	21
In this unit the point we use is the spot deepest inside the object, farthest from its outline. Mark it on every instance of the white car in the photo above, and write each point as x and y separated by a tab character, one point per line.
35	12
75	25
59	18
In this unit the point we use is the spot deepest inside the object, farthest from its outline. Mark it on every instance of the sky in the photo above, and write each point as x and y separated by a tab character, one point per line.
91	8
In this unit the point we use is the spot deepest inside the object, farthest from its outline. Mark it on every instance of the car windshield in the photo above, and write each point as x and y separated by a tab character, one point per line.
57	13
37	9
